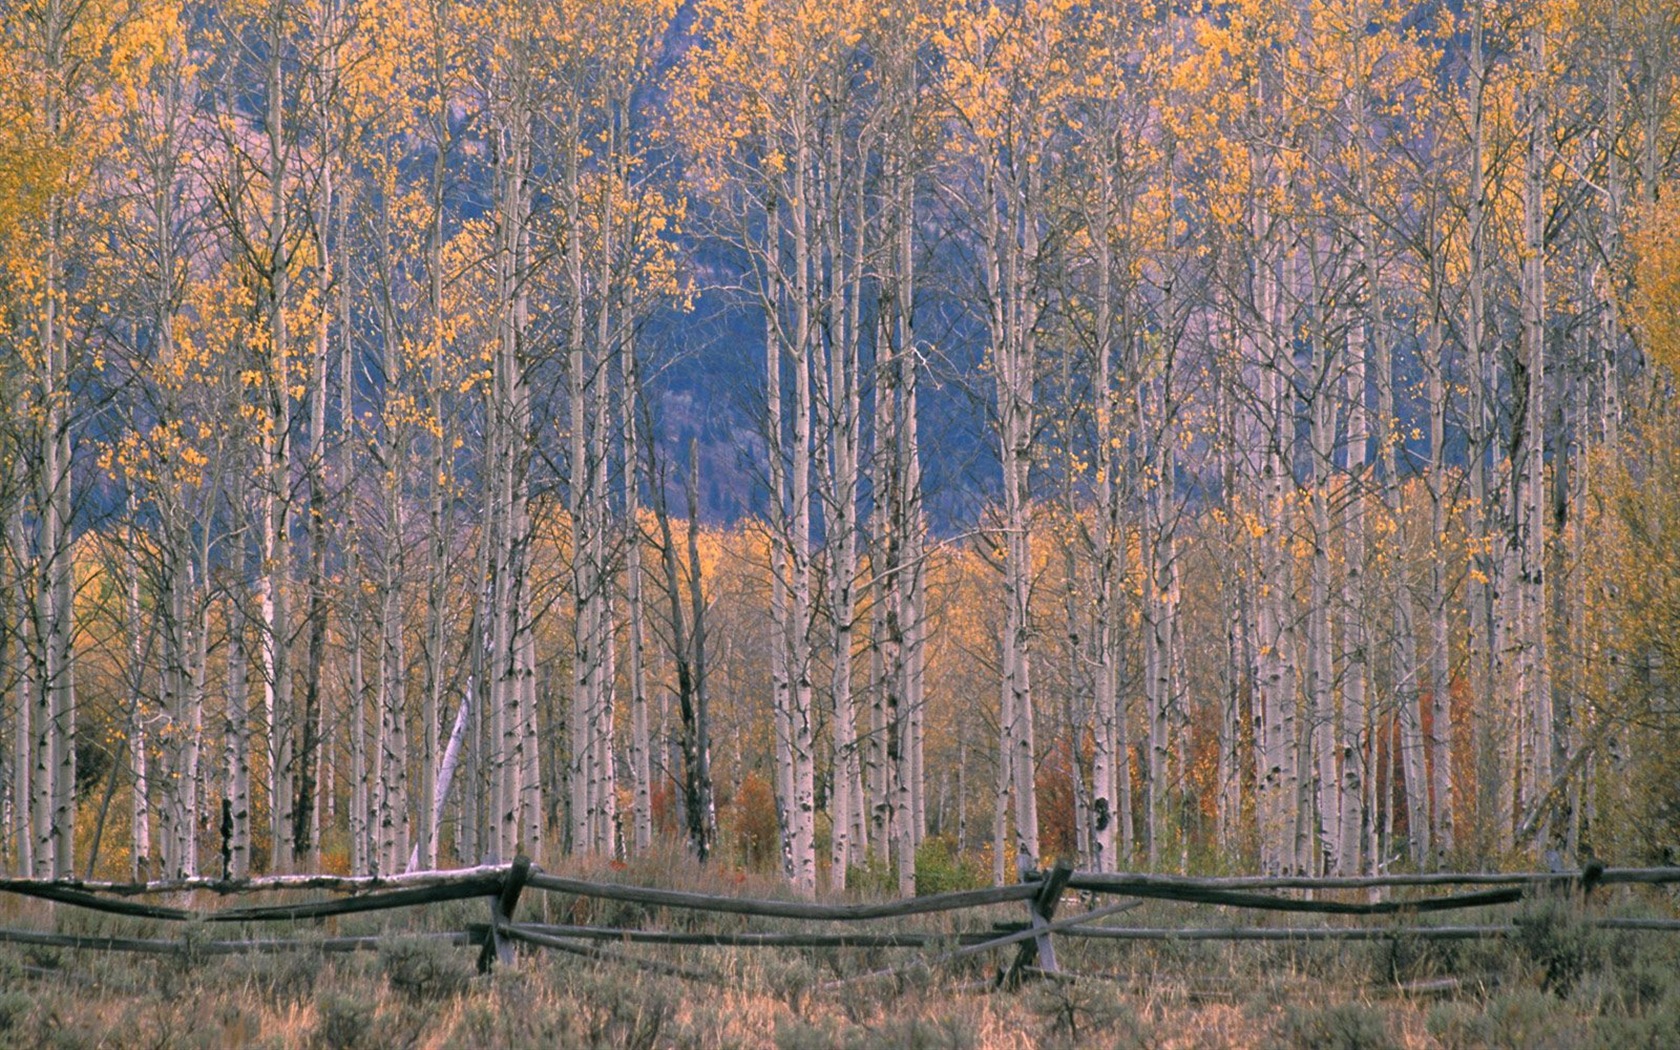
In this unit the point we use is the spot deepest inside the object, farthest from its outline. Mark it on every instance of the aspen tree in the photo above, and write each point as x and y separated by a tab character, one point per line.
185	472
601	68
767	106
585	379
1237	779
405	74
1004	82
1430	246
642	272
328	29
173	462
60	74
509	44
439	75
891	817
1528	537
1118	153
688	651
1370	70
140	846
1253	198
402	66
275	488
155	140
23	682
236	701
1443	831
254	186
55	762
1485	575
21	190
368	99
641	740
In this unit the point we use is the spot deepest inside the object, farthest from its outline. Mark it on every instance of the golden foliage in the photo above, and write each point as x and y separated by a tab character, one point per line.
1655	306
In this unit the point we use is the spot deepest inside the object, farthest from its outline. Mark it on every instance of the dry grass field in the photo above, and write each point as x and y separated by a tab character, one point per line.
1557	983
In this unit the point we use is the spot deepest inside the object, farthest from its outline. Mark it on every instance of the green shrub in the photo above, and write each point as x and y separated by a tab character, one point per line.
1647	981
281	978
906	1033
234	1025
14	1007
1345	1026
425	968
515	1013
1534	1020
1460	1026
631	1016
1657	1030
792	981
342	1022
403	1024
875	877
915	1033
795	1034
941	868
1554	938
1080	1012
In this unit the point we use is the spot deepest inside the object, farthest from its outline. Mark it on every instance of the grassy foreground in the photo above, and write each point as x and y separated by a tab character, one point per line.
1559	983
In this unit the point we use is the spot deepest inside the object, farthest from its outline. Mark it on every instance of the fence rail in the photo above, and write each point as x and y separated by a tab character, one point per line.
502	886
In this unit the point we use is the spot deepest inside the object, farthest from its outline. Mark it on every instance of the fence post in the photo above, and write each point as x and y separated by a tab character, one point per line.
1041	910
498	949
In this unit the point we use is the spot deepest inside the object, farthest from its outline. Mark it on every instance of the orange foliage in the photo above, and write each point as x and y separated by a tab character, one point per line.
1057	832
750	820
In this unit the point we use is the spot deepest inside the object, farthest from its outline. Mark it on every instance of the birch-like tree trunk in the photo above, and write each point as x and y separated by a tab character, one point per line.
1110	772
140	839
1492	729
1528	538
330	133
1406	671
641	741
237	701
275	491
391	816
1321	394
801	804
839	412
1444	800
688	653
787	299
1357	720
515	817
1278	678
582	385
1010	256
1159	564
24	688
47	558
1236	781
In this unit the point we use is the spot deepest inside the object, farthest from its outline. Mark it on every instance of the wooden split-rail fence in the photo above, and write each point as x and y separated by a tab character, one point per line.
1400	900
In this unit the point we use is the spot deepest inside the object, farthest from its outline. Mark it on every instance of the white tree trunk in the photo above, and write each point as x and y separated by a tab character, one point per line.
1534	689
